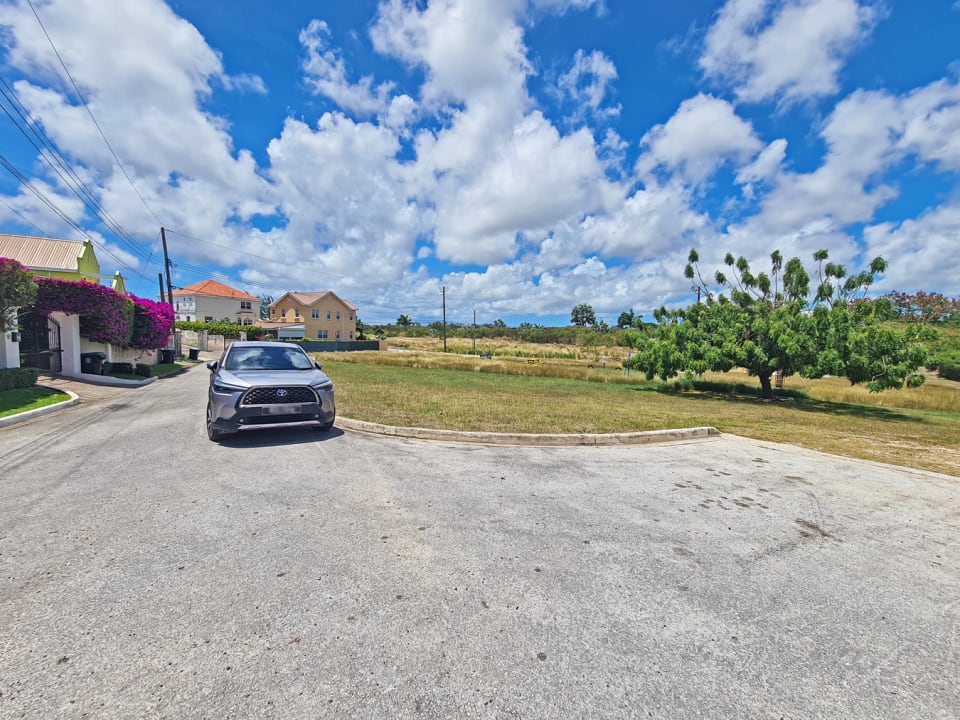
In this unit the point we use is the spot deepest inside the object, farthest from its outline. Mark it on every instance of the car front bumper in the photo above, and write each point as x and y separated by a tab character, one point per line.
229	414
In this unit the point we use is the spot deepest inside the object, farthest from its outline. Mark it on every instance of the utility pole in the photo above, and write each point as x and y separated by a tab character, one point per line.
163	295
474	331
443	291
166	265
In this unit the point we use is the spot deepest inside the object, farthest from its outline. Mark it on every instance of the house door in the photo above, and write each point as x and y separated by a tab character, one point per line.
39	342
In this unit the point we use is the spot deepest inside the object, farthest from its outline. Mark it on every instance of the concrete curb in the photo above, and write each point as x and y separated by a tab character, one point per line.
107	380
74	399
555	440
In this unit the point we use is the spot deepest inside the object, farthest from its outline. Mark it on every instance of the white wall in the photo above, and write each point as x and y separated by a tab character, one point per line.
9	351
69	342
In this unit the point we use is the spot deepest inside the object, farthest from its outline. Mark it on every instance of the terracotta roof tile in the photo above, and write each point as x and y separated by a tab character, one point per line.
214	289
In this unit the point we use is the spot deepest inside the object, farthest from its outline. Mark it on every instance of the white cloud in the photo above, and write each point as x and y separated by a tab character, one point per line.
789	49
703	133
587	82
327	74
922	249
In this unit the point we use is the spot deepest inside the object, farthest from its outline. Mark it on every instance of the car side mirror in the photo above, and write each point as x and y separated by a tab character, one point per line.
212	365
317	365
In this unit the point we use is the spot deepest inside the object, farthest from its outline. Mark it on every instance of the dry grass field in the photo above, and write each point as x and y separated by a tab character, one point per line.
917	427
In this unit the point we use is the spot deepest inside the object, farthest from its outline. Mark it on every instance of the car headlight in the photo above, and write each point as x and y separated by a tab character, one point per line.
222	387
328	385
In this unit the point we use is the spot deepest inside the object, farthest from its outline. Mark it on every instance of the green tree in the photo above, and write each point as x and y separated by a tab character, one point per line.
17	289
582	315
404	321
626	319
769	323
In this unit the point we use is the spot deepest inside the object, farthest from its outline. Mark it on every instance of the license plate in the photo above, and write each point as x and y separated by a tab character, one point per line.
281	409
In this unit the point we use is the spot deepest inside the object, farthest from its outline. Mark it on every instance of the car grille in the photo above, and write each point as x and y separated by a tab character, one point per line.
279	395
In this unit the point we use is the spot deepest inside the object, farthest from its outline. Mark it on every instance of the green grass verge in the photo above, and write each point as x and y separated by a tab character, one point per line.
24	399
475	400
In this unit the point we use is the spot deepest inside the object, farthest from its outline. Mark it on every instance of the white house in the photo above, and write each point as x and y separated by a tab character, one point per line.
211	301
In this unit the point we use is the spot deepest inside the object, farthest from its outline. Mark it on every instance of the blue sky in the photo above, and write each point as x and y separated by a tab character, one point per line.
527	155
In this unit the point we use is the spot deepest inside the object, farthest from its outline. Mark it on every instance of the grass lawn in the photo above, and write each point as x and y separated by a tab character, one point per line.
23	399
914	428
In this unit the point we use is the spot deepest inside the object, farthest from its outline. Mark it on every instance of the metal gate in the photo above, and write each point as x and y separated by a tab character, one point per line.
39	342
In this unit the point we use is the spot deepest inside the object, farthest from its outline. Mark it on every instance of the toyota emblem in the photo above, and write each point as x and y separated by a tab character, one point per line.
281	393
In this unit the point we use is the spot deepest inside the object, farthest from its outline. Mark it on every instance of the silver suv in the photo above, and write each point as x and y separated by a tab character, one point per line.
263	384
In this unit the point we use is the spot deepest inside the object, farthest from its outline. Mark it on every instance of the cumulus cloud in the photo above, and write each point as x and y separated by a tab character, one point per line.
922	249
327	74
146	94
703	133
789	49
587	83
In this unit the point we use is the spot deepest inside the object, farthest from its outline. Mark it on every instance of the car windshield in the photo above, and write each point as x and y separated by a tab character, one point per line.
267	358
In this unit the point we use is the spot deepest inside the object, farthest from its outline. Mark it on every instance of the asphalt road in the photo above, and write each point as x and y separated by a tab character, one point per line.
148	573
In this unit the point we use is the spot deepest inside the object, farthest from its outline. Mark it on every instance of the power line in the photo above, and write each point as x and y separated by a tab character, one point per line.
90	113
23	217
245	253
72	181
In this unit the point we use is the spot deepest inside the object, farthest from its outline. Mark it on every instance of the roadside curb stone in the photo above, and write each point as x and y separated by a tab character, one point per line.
529	439
72	400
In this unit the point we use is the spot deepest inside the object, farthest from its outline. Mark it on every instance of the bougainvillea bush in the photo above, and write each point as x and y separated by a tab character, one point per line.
106	315
152	323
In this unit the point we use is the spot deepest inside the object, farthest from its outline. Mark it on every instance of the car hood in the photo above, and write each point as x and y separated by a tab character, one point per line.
249	378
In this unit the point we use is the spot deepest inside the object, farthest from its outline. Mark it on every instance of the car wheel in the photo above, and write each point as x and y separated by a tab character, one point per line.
212	432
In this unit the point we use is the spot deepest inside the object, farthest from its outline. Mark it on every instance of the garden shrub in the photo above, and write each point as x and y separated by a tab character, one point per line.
15	378
948	365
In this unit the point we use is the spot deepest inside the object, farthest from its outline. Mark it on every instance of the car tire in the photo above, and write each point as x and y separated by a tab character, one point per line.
212	432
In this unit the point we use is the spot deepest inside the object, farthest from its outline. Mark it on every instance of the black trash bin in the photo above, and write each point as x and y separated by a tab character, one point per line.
194	353
167	356
91	363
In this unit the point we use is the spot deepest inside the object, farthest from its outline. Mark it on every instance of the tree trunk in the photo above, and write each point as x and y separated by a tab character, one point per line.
766	391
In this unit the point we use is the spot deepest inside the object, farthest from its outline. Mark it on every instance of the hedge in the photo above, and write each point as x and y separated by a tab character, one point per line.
15	378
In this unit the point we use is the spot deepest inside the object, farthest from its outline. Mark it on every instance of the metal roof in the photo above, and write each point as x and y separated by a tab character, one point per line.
41	253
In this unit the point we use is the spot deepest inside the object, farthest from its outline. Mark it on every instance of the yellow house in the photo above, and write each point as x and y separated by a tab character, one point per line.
62	259
323	315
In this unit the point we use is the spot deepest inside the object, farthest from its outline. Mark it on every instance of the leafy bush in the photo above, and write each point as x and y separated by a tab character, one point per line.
14	378
228	330
948	365
117	368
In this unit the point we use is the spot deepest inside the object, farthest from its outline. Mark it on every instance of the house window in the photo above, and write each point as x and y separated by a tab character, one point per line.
296	313
208	318
338	314
245	305
321	334
247	321
188	318
351	316
351	334
328	314
315	314
338	334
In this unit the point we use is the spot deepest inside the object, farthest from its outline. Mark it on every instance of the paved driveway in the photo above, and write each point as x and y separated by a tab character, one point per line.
148	573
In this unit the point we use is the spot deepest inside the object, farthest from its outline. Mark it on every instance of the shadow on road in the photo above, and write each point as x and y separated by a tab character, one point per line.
279	437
